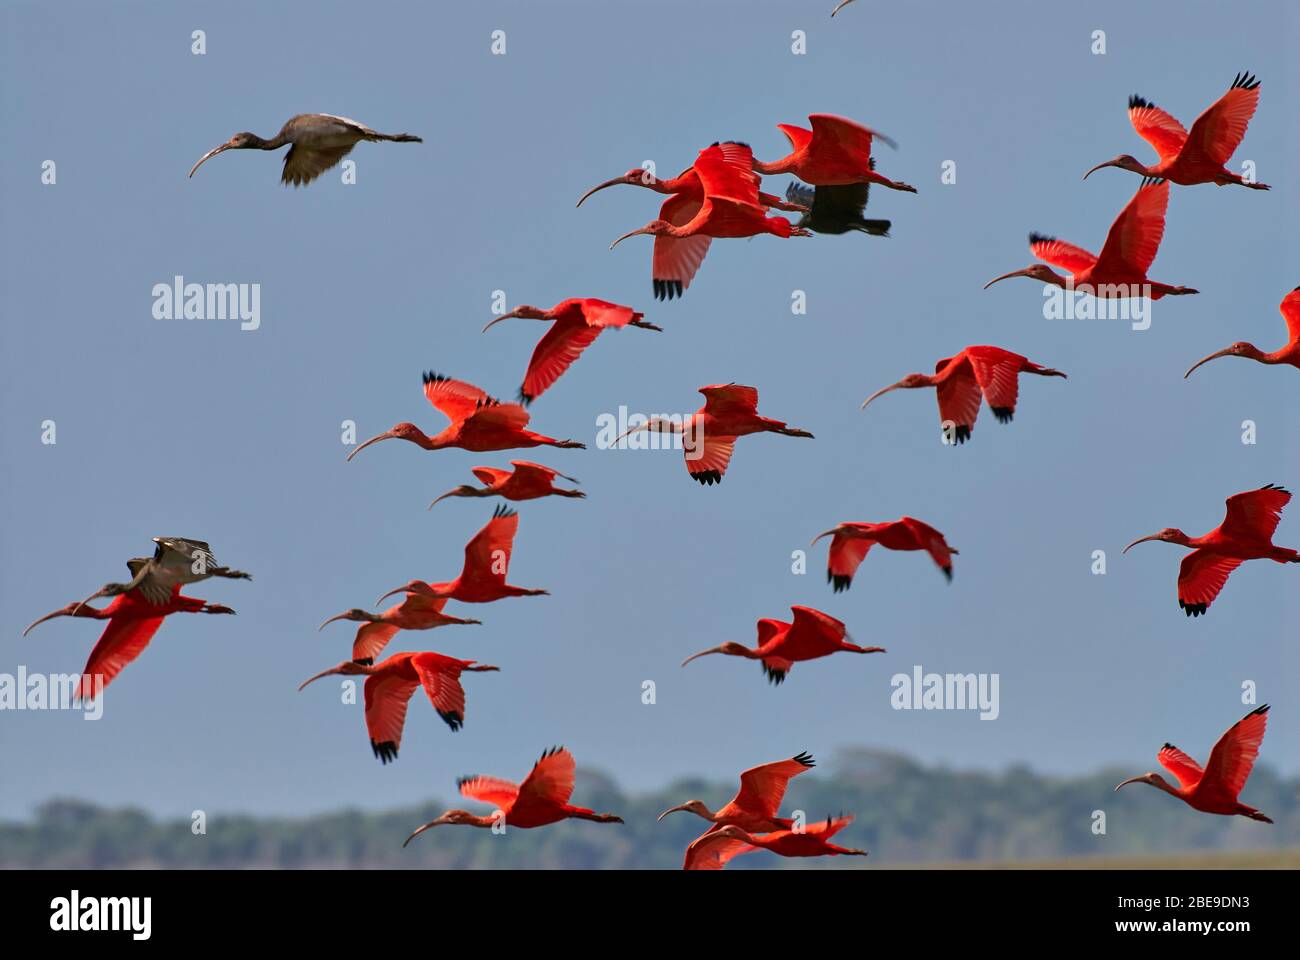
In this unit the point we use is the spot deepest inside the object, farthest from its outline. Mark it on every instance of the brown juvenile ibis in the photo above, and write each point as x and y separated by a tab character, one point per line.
176	562
836	209
317	142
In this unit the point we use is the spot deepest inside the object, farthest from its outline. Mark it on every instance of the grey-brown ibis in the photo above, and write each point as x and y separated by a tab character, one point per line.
836	209
317	142
176	562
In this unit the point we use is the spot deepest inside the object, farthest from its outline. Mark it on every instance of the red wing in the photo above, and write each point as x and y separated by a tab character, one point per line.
487	556
1218	132
1290	308
1135	235
712	461
1058	253
958	393
1185	770
843	134
727	170
798	136
1201	577
842	561
722	399
551	779
526	471
676	261
500	793
561	345
932	542
455	399
601	313
998	377
829	827
769	628
386	697
1157	128
1255	514
763	787
512	416
808	622
1233	756
440	677
489	476
121	642
712	852
370	641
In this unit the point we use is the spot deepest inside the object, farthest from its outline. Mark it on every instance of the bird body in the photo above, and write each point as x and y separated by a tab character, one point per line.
1288	354
1215	788
1198	156
713	850
852	540
388	688
479	423
415	612
528	481
836	151
836	209
176	562
960	381
810	635
317	142
575	324
756	805
1245	534
543	798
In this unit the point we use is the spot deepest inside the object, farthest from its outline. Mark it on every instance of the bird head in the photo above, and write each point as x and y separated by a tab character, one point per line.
909	382
464	490
417	587
1124	161
346	668
696	807
401	431
1151	779
833	531
729	648
356	613
1035	271
526	312
450	817
1168	535
733	832
637	175
654	228
240	141
1238	349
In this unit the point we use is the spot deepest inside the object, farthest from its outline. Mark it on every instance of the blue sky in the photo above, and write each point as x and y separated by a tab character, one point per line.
194	428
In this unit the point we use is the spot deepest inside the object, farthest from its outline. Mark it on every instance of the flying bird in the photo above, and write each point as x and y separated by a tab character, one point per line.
709	435
479	423
1289	354
317	141
1214	789
541	799
527	481
132	622
850	542
755	805
575	324
388	688
961	380
1202	155
810	635
834	152
1120	271
176	562
836	210
487	563
713	850
1245	534
415	612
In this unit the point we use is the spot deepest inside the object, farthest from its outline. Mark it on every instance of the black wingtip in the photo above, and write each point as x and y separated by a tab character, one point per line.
452	719
805	758
1036	238
365	661
386	750
707	478
503	511
1194	609
1137	102
839	582
1004	414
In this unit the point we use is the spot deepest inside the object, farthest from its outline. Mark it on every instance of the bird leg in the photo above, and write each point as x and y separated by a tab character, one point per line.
214	608
228	573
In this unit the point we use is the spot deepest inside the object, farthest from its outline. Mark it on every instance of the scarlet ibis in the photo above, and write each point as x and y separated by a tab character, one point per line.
835	151
961	380
756	805
487	562
1200	156
415	612
318	142
478	422
527	481
810	635
133	620
1289	354
576	323
838	209
730	208
176	562
709	435
1214	789
542	798
1245	534
388	688
1120	271
850	542
713	850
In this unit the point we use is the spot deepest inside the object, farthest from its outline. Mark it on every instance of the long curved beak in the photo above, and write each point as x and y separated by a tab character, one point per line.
702	653
634	233
386	435
207	156
881	392
680	806
1153	536
324	673
449	493
626	433
419	830
1108	163
1214	356
420	590
1141	779
1005	276
829	533
596	189
341	616
504	316
48	616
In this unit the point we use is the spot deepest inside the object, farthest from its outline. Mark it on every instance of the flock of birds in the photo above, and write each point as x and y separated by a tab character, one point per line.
718	196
